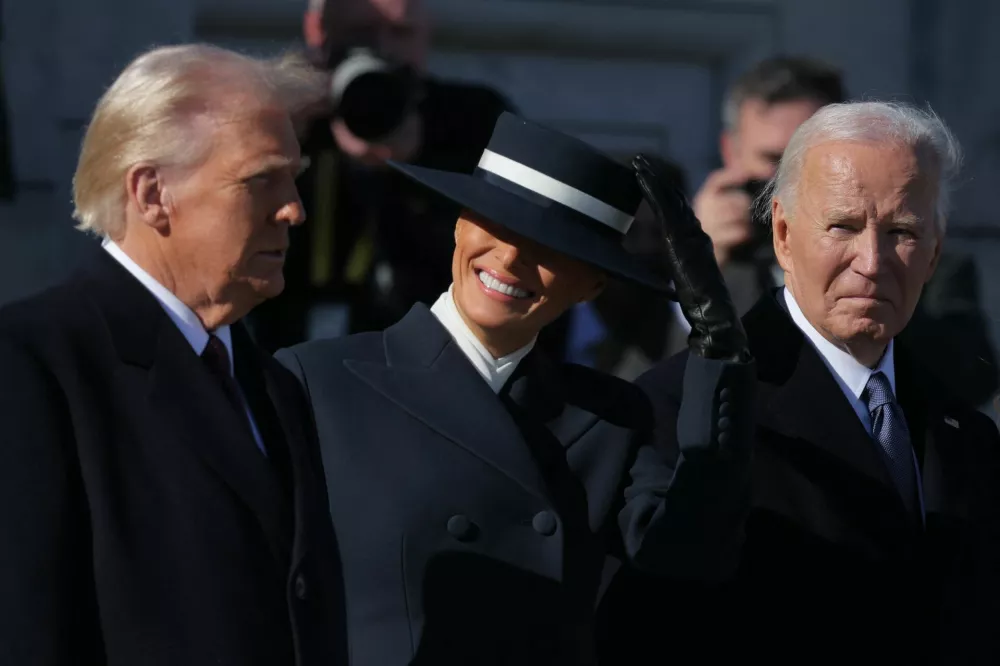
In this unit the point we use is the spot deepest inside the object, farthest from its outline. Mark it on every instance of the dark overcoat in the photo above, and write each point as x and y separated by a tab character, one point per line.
139	522
474	527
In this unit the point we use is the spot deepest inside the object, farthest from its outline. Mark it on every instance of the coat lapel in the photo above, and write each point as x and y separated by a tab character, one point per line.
427	375
190	406
195	410
937	441
802	400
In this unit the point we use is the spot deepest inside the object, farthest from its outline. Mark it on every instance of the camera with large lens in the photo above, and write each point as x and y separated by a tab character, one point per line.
370	94
760	239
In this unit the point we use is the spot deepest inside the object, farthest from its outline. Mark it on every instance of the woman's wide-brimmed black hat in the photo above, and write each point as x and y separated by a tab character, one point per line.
553	189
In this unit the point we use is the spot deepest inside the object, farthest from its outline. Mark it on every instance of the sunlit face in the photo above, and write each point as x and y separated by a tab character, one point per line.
229	216
762	133
507	288
860	239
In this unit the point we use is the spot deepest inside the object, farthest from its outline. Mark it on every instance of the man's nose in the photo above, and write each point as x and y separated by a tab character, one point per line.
871	248
293	212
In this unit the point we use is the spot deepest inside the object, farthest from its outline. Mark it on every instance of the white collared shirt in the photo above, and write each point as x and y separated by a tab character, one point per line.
183	317
496	371
851	375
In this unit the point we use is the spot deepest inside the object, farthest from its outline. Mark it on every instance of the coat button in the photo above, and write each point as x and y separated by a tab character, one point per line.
301	590
724	394
723	438
462	528
544	523
724	423
723	409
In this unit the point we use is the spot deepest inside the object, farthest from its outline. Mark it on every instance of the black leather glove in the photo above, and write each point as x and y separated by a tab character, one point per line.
716	330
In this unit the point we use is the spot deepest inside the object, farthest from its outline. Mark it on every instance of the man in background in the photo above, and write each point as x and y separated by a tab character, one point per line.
375	243
762	110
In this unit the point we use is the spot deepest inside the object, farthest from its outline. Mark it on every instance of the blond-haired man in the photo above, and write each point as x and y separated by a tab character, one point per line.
160	494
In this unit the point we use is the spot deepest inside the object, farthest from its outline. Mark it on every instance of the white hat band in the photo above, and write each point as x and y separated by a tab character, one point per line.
557	191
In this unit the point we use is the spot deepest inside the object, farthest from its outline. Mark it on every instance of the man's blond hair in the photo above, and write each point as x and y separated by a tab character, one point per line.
156	111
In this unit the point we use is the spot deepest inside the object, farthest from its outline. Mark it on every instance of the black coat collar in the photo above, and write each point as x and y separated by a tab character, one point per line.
428	375
134	317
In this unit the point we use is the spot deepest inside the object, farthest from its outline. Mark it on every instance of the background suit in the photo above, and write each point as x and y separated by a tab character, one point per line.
141	524
834	569
474	526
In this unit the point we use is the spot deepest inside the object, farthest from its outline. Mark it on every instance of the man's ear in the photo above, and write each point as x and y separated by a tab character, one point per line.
147	196
780	235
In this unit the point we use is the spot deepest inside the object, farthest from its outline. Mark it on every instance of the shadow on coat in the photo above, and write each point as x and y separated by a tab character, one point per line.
784	604
481	611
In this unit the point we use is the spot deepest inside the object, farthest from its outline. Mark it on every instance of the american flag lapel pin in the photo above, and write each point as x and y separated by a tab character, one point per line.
952	422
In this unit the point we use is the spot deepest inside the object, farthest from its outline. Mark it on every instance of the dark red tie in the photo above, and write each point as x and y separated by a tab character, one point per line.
216	357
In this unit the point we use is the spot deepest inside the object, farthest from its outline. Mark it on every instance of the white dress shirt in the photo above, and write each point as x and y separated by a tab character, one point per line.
851	375
184	318
496	371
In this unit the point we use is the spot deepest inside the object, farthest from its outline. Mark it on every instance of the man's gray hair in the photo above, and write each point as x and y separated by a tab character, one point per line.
874	123
155	113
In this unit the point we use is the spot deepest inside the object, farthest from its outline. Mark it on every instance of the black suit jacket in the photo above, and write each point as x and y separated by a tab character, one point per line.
833	569
475	526
139	522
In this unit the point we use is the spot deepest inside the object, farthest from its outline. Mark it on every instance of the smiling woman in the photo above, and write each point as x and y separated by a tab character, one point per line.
507	288
491	493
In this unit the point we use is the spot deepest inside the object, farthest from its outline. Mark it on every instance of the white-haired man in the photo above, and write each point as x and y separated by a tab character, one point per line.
161	499
873	530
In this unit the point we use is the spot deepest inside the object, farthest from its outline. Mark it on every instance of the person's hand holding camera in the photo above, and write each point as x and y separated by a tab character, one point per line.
723	207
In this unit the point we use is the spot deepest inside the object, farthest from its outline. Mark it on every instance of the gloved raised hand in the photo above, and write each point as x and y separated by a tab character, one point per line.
716	330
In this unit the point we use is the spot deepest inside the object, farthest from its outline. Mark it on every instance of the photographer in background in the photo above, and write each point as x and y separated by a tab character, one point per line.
762	110
625	332
374	243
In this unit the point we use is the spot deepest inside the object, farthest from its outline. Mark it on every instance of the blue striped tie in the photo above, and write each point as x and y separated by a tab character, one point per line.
890	431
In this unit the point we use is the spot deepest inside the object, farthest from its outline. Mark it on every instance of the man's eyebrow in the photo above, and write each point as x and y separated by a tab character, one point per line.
278	163
841	214
906	220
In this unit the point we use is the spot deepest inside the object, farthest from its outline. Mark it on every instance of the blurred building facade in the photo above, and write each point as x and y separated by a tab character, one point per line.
624	74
